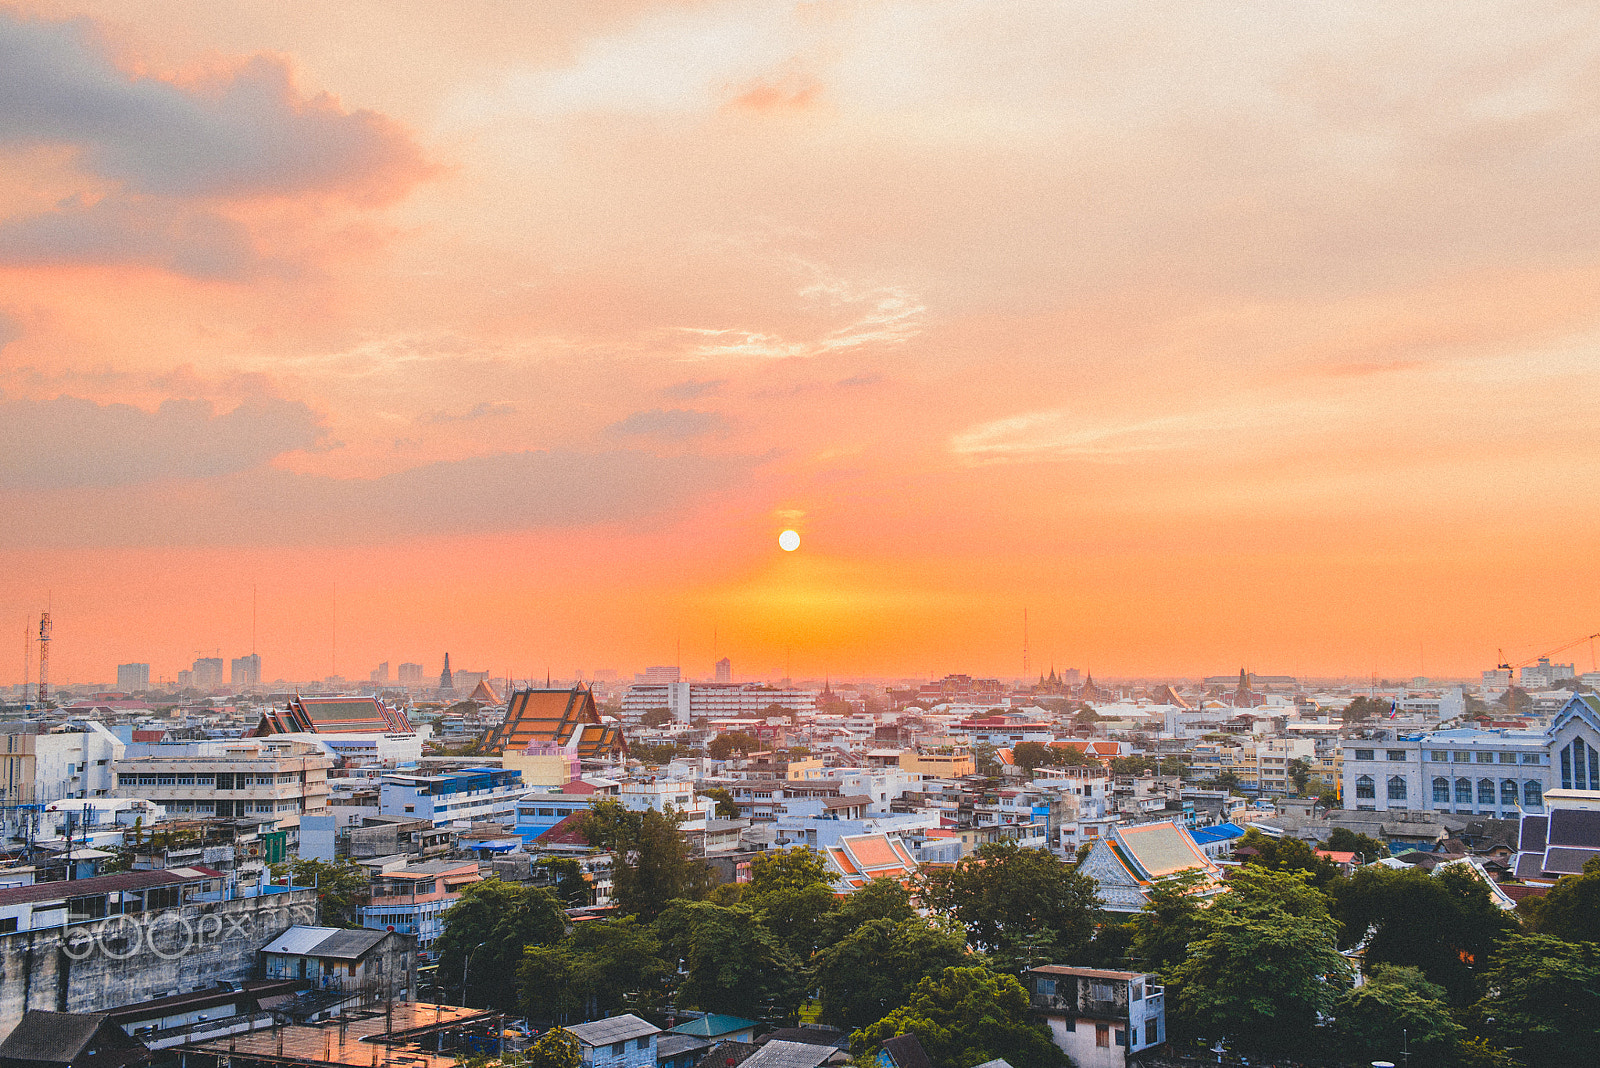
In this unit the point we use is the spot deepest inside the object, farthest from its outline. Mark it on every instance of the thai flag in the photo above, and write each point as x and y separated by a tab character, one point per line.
1394	709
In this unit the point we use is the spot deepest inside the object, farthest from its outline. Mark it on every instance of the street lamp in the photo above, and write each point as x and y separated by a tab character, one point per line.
467	964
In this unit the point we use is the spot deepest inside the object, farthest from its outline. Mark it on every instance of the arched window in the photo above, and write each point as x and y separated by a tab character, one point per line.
1486	791
1463	791
1397	788
1580	766
1441	791
1532	795
1365	786
1508	793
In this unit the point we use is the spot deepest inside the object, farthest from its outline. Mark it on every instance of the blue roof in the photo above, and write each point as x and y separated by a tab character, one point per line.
714	1026
1222	832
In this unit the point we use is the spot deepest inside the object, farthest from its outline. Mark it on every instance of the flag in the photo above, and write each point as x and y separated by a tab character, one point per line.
1394	709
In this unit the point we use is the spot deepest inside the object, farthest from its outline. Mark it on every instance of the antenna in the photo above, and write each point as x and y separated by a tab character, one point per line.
44	658
1026	674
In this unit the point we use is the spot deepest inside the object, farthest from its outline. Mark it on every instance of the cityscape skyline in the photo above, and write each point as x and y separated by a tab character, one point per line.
530	330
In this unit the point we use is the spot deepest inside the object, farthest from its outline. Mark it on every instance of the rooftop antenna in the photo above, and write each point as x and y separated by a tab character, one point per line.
44	658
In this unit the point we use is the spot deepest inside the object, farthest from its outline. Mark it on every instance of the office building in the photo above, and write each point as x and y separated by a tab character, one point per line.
245	670
410	675
133	678
688	701
271	780
474	795
724	670
207	673
380	674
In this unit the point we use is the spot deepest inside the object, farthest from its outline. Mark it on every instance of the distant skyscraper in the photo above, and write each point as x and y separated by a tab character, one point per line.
185	679
380	674
207	673
133	678
446	681
659	674
245	670
410	675
724	670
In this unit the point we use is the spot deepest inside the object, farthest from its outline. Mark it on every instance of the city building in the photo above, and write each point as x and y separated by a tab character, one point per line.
207	673
1125	860
71	762
380	674
361	728
412	900
409	675
378	965
133	678
272	781
1543	675
855	860
473	795
245	671
1099	1017
1500	772
617	1042
567	719
689	701
724	671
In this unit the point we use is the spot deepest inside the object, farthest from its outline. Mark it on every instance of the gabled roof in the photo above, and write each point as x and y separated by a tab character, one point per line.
1159	849
789	1055
715	1026
564	718
333	715
905	1051
328	942
860	858
613	1029
484	694
42	1037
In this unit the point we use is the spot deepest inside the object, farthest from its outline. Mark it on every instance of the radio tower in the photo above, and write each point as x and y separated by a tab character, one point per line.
43	693
1026	667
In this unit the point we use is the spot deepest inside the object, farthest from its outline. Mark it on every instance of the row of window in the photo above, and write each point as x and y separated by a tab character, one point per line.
1531	793
239	807
222	782
1455	756
1580	766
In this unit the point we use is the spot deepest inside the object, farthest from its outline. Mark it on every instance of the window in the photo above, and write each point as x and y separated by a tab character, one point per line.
204	780
1365	786
1122	1037
165	780
644	1043
1071	1025
411	808
1508	793
1485	758
1396	754
1580	766
1102	1035
1397	788
547	812
1101	992
1441	791
1508	758
1461	757
1047	988
185	780
1364	754
8	925
1463	791
618	1047
1486	791
1533	758
1439	756
1532	796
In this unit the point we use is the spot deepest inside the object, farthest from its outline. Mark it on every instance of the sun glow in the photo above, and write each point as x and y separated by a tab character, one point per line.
789	541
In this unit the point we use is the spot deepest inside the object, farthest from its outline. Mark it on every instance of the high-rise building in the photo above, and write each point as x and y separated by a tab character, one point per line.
185	679
380	674
724	670
410	675
659	674
246	670
133	678
207	674
446	681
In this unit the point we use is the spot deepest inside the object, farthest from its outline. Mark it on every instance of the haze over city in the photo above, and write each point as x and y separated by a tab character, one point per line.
1209	336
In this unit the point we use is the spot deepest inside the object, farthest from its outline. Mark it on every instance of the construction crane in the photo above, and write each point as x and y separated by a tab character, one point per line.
1509	668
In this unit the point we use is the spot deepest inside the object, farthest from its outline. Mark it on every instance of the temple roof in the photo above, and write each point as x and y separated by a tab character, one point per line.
333	715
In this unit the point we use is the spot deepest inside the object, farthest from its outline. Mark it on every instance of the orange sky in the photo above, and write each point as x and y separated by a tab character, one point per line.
1212	335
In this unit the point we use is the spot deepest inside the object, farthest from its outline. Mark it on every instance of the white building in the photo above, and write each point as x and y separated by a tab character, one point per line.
1498	773
1544	675
76	761
473	795
269	779
689	701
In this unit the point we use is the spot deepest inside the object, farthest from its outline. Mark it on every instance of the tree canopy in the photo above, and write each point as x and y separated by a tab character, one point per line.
342	887
1021	905
1542	1000
653	866
602	968
492	923
966	1016
1398	1011
1571	910
731	963
873	970
724	746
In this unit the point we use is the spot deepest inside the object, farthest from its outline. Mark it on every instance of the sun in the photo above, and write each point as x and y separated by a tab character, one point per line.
789	541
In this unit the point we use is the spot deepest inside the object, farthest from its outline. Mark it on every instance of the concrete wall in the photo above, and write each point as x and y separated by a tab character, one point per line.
102	964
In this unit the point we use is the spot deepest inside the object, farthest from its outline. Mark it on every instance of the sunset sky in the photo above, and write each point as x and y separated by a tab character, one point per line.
1212	335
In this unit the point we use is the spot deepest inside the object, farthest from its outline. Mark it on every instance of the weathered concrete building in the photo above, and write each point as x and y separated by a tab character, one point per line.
89	945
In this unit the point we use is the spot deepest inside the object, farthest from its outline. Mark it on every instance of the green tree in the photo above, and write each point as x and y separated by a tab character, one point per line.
1266	964
656	717
571	888
1397	1010
1021	906
1289	854
1300	774
492	924
556	1048
983	758
342	887
1444	923
1364	708
879	899
791	893
874	969
1344	840
1542	1000
966	1016
1571	910
727	808
724	746
730	963
601	969
653	866
1169	921
1030	755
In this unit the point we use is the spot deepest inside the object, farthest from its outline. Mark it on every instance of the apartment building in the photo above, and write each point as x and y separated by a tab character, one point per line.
413	900
67	763
472	795
274	780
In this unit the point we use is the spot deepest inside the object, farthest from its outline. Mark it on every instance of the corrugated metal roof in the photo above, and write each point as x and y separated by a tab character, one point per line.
613	1029
349	945
299	941
789	1055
